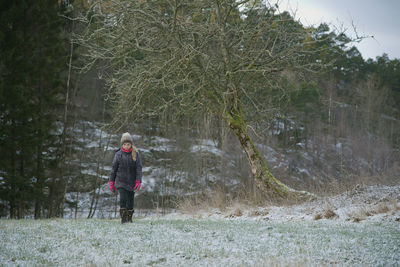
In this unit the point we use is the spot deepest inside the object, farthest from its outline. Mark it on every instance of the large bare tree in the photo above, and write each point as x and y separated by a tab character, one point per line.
216	56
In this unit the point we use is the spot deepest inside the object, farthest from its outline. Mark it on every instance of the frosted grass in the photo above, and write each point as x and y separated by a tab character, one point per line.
202	242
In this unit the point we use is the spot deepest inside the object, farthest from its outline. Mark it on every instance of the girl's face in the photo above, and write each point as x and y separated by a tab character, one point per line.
126	146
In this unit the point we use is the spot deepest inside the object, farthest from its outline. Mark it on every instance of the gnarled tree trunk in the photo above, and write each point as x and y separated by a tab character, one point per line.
263	178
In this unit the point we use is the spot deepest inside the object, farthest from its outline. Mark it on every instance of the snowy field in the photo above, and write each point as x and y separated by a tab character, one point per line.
164	241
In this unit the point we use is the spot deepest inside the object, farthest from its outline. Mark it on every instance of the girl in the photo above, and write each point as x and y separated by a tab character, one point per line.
126	176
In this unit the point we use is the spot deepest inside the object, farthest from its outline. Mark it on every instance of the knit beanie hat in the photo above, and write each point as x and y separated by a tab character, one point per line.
126	138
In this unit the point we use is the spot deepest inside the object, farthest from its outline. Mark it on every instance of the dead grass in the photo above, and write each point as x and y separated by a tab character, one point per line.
335	187
247	197
330	214
381	208
236	213
215	199
359	214
219	198
256	213
189	205
318	216
388	206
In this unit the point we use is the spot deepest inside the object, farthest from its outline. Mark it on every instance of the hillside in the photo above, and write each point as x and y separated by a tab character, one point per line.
176	166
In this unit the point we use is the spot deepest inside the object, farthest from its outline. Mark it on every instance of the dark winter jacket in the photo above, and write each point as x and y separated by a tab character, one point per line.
125	171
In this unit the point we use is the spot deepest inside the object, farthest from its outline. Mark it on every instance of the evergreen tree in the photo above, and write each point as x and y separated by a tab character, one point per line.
32	63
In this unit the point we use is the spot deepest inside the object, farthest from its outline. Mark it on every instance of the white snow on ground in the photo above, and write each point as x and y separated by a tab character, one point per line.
144	169
206	145
107	168
361	204
268	152
239	236
159	139
136	137
88	172
111	148
162	148
197	242
206	148
92	144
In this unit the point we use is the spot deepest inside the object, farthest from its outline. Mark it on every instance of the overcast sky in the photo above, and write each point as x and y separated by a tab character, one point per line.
380	19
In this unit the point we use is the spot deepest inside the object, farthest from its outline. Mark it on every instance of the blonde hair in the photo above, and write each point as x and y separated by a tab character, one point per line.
134	153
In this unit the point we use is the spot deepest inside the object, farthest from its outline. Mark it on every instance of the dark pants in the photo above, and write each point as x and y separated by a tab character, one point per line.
126	199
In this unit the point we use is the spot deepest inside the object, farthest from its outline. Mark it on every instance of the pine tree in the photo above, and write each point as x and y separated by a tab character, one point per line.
32	63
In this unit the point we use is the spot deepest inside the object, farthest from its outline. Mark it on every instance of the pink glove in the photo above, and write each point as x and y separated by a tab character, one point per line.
137	186
111	186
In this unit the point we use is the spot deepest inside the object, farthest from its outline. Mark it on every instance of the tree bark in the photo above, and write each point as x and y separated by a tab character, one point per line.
263	178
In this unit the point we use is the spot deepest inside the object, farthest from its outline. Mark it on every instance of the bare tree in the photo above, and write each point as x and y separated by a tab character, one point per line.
180	57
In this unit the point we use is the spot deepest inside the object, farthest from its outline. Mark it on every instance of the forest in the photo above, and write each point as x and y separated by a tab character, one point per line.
234	98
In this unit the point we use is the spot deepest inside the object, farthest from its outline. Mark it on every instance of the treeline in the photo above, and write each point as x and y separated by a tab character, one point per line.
354	107
41	100
44	100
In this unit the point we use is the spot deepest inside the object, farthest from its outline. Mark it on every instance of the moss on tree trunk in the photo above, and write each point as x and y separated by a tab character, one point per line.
264	179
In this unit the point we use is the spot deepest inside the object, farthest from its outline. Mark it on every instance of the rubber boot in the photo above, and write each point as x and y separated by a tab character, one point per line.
130	213
124	215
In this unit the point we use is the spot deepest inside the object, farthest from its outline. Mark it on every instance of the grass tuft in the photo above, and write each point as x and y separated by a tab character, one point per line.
318	216
330	214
